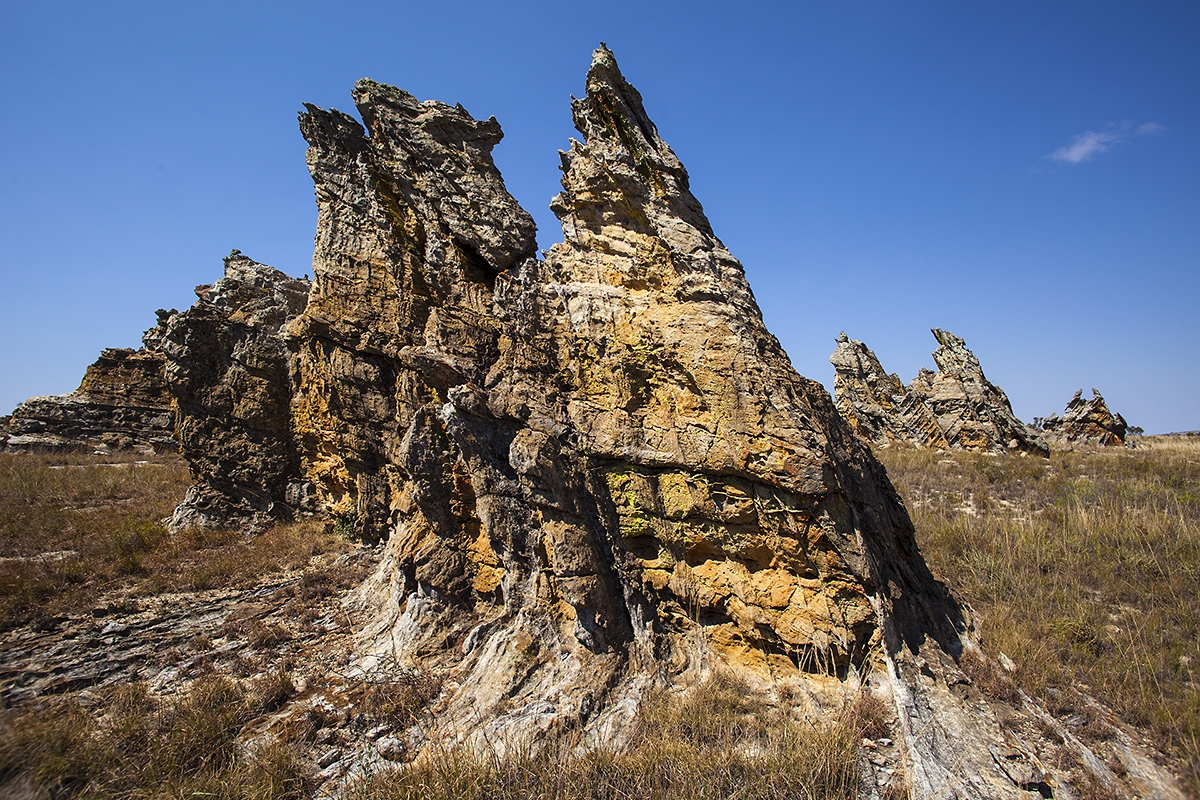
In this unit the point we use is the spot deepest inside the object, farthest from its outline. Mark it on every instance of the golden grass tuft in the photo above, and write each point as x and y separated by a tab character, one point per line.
134	745
1084	568
715	741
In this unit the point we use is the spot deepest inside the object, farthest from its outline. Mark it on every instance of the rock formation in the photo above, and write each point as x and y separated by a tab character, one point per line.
600	471
876	404
121	404
955	407
228	371
593	475
1087	422
972	412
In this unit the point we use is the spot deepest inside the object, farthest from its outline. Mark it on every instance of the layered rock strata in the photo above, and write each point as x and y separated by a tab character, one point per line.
1086	422
122	403
596	472
228	372
955	407
876	404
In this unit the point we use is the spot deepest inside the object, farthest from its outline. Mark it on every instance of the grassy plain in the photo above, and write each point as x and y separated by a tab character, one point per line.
1084	569
73	527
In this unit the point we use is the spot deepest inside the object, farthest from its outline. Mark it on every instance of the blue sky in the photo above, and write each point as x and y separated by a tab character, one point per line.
1026	175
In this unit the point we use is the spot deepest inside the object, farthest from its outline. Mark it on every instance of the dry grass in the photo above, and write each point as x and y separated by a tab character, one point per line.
134	745
717	741
74	526
1084	568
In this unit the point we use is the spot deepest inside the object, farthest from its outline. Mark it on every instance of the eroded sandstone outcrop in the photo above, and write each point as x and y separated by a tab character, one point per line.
598	472
228	371
973	413
415	229
593	475
955	407
876	404
1087	422
122	403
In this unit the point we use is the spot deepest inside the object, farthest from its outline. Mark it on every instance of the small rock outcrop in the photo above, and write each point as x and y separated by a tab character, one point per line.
955	407
227	370
876	404
121	404
1086	422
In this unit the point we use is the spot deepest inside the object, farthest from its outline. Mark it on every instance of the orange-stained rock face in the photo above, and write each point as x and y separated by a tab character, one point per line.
591	472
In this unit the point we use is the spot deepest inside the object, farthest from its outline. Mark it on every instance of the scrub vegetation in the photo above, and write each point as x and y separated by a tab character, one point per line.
1084	569
716	740
73	527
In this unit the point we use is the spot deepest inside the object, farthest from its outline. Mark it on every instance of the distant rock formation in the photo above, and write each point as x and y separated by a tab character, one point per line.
972	412
876	404
121	404
228	371
1087	422
966	410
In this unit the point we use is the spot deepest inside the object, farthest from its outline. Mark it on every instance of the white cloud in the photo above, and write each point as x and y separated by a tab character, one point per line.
1089	144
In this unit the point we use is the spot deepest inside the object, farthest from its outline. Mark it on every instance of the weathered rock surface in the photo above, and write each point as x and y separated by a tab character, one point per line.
593	475
1088	422
414	230
600	472
228	371
121	404
876	404
954	407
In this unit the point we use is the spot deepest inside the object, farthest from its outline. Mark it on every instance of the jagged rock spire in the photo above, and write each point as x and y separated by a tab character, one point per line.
973	412
594	475
875	403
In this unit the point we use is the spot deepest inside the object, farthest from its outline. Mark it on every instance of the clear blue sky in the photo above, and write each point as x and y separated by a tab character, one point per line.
1026	175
